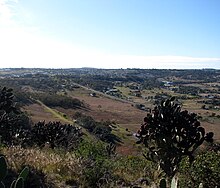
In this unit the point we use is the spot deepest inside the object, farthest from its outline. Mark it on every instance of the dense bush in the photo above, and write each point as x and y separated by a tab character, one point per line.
55	100
152	83
56	135
15	128
189	90
22	98
132	168
102	130
205	170
40	82
12	120
98	168
99	83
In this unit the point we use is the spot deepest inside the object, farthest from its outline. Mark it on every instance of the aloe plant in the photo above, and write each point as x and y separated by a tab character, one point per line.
19	182
3	170
170	134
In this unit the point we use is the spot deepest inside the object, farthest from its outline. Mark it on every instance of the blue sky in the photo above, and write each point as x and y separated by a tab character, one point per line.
110	33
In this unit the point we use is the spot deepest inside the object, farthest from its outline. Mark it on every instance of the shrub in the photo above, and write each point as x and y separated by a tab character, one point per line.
205	170
102	130
97	166
55	100
12	120
131	168
56	135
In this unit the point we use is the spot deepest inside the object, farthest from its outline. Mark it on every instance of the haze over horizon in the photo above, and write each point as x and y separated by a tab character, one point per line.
181	34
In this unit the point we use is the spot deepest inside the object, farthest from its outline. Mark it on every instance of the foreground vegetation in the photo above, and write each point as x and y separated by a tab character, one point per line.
90	166
84	153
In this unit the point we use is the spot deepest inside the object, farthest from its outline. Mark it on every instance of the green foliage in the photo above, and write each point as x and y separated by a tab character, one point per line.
111	148
97	166
96	82
91	150
102	130
130	168
24	173
55	100
101	170
22	98
15	129
171	134
3	170
190	90
12	120
97	174
205	170
163	183
19	183
6	101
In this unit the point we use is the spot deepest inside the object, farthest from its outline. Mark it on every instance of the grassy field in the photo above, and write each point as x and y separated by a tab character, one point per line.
126	116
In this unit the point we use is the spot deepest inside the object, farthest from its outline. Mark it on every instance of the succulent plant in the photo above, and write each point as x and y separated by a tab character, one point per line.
165	184
12	120
3	170
171	134
19	182
6	100
55	134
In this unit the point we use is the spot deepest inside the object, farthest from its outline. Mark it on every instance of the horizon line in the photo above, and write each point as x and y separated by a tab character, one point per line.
58	68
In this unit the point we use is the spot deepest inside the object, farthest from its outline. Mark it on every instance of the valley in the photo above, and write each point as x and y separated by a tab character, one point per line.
110	105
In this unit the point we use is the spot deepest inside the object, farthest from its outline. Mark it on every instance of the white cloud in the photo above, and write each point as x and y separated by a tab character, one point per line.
7	12
23	47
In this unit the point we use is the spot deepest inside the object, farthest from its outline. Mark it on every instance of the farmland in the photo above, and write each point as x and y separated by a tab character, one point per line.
119	99
123	96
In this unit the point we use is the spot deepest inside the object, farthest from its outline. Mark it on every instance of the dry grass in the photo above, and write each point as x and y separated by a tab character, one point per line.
57	166
38	113
55	113
62	167
124	114
102	108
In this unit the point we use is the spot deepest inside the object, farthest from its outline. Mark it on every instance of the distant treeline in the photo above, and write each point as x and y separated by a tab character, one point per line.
55	100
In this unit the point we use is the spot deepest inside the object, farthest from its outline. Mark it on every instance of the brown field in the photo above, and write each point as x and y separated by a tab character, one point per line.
124	114
211	127
38	113
103	108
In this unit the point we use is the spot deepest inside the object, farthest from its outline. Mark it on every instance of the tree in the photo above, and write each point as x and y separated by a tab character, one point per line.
7	115
12	120
171	134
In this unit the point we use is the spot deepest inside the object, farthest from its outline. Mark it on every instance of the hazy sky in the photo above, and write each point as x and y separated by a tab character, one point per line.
110	33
